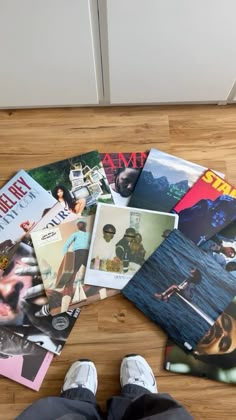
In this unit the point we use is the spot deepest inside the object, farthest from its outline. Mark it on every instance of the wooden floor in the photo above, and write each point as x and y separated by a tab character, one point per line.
110	329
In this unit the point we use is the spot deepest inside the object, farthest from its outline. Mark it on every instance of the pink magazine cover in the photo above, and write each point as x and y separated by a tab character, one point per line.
23	361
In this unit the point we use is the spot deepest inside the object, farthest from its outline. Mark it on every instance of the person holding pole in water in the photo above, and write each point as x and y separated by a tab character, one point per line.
185	288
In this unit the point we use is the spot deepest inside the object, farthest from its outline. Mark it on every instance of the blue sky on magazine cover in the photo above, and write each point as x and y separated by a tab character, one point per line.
163	181
178	169
171	264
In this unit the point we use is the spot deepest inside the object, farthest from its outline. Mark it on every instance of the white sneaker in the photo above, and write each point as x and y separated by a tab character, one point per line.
135	370
81	373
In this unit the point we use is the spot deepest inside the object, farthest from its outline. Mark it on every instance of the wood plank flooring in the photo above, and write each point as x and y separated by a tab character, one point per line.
110	329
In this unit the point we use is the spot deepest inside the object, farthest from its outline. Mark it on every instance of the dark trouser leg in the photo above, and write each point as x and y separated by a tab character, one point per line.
79	402
79	393
134	403
118	405
81	257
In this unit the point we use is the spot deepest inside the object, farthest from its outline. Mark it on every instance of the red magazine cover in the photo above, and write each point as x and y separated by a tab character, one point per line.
122	171
207	208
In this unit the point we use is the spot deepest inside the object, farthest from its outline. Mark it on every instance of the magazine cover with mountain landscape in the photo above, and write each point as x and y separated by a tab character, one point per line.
77	183
122	171
164	180
182	289
207	208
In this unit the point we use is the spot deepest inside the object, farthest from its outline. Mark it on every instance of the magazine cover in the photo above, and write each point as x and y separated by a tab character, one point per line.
208	207
122	171
216	359
215	356
78	183
182	289
164	180
23	300
122	240
47	331
22	204
22	361
222	247
16	281
62	254
54	217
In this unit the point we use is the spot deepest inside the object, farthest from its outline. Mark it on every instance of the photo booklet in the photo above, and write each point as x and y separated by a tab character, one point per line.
122	240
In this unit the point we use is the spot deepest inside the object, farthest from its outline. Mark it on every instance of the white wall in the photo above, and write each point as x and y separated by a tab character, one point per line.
170	51
47	53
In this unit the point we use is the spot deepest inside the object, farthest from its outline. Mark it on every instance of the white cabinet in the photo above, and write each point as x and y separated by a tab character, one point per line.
161	51
49	53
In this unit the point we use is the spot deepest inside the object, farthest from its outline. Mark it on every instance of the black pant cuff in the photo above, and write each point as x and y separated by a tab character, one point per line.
132	391
79	393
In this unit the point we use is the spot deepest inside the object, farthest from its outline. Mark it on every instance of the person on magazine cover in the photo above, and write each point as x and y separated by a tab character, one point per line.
206	216
221	337
104	247
125	179
215	356
79	243
123	247
14	345
137	250
218	251
64	197
139	397
185	288
13	286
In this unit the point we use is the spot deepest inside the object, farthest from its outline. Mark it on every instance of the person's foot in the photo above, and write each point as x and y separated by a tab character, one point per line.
135	370
81	373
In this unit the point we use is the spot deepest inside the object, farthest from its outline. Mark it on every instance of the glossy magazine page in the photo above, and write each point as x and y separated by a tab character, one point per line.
208	207
164	180
123	238
77	183
215	356
182	289
22	361
122	171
